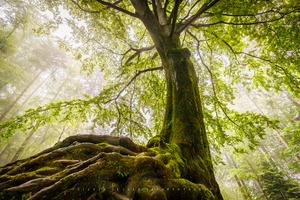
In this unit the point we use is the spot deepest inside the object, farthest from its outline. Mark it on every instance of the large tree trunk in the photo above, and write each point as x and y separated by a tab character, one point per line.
183	123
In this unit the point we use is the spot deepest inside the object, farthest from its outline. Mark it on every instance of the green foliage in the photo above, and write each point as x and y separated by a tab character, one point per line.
277	185
236	129
69	111
292	134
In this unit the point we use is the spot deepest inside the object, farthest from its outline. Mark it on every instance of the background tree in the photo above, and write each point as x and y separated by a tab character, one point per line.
276	185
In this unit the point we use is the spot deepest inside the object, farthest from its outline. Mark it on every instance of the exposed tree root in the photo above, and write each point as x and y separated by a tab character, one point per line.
100	167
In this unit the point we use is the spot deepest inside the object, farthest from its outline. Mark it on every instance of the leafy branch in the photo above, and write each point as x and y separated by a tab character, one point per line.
132	80
67	111
211	78
294	80
34	118
282	15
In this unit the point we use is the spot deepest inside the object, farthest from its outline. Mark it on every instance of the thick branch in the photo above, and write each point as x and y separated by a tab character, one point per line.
137	53
161	13
111	5
193	18
84	9
174	15
166	6
154	9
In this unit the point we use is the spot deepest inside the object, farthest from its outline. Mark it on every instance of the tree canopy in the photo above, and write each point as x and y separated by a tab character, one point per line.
248	43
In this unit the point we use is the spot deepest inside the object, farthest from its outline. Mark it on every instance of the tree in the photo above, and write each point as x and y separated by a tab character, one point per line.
276	185
217	32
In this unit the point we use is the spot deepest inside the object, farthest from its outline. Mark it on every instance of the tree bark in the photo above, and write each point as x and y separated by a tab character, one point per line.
183	121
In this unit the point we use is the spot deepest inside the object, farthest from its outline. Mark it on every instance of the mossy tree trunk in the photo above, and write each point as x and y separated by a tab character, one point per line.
183	122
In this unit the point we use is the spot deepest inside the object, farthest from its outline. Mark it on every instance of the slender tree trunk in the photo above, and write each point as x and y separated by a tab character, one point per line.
33	92
7	146
240	182
257	180
4	40
61	133
26	141
6	111
22	147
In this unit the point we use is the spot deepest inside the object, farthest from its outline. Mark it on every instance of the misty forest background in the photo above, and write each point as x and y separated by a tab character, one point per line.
41	63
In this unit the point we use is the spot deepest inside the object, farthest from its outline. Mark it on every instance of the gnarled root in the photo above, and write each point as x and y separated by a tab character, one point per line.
97	167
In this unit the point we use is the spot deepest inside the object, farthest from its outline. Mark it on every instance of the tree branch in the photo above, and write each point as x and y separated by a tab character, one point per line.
162	18
174	15
254	14
166	5
212	79
285	71
190	10
84	9
246	23
133	79
154	8
294	80
193	18
137	53
111	5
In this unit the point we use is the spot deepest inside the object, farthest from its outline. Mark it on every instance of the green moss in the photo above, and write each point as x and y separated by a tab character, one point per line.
184	189
46	170
26	196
